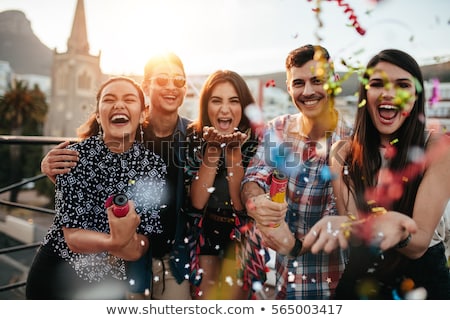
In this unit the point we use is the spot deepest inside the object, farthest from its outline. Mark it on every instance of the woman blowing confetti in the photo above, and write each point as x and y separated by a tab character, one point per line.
221	144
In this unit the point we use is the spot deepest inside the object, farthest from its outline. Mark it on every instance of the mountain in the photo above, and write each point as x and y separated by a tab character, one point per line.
20	47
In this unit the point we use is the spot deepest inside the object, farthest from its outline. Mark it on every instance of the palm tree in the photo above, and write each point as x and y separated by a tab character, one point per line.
19	105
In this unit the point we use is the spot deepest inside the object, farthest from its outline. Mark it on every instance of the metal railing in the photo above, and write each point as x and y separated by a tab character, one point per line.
36	140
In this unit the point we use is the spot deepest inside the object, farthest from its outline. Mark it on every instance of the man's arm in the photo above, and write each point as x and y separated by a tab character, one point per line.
59	160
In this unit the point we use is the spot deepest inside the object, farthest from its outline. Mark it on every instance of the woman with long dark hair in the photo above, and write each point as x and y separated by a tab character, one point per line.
393	183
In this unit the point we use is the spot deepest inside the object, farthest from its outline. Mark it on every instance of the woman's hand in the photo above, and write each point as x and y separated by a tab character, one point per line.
389	228
384	230
231	140
123	229
326	235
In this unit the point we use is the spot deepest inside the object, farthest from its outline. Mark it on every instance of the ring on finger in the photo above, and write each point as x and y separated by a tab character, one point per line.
329	230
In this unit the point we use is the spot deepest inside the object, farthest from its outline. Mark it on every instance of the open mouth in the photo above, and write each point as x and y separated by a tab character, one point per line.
119	118
387	112
224	124
170	98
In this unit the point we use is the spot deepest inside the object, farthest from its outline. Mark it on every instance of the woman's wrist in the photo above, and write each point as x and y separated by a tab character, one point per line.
212	156
403	243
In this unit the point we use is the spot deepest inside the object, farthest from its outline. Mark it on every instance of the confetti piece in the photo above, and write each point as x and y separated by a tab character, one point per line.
291	277
417	294
407	285
395	295
351	16
390	151
325	174
435	97
270	83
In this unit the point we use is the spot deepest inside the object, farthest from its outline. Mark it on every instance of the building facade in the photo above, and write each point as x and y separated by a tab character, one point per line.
75	77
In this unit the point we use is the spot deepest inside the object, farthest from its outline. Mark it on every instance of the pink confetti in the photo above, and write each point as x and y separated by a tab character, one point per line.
435	97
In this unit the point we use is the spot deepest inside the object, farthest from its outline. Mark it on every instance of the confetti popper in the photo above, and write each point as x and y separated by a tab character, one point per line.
278	187
119	202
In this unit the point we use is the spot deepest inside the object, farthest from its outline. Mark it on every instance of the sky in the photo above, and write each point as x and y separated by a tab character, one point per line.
248	36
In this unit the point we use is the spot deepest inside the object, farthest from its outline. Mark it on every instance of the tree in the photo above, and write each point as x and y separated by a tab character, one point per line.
20	108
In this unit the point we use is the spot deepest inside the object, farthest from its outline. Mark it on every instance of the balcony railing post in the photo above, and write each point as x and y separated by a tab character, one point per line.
35	140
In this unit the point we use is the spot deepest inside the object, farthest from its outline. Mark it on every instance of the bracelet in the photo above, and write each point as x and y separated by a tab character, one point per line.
295	251
403	243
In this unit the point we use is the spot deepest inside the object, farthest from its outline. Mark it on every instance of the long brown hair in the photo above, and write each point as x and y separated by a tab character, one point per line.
242	89
364	160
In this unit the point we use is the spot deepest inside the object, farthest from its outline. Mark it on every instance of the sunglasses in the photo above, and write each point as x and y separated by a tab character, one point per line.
163	80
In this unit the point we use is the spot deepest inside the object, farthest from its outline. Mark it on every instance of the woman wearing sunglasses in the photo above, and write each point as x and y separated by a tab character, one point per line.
220	144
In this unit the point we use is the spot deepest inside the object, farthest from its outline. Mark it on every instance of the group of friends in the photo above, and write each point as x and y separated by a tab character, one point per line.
361	211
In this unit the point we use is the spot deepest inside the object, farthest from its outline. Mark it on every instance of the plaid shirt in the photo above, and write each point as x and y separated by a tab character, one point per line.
309	197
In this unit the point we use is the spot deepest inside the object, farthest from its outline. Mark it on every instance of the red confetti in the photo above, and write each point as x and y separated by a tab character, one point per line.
270	83
395	191
390	152
351	16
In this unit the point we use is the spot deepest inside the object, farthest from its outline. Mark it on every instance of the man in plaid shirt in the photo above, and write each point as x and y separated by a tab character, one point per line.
298	145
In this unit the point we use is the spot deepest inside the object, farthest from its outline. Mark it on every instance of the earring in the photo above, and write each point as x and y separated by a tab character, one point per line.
142	133
100	132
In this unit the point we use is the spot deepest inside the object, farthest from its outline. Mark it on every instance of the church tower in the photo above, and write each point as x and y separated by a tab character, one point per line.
76	76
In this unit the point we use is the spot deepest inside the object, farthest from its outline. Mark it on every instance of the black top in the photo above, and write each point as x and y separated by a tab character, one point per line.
220	197
162	242
81	195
